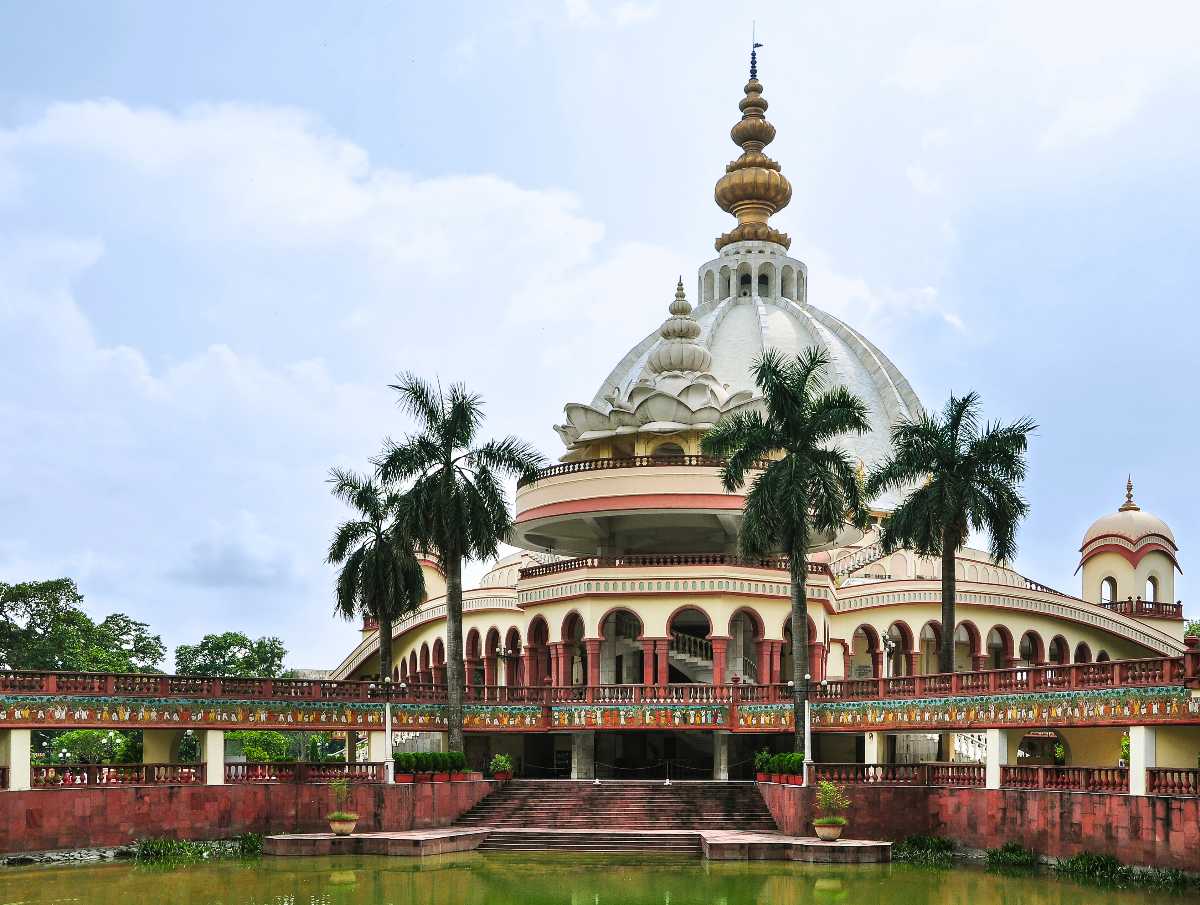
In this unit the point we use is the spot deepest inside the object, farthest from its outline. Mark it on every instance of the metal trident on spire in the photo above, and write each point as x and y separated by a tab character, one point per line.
754	45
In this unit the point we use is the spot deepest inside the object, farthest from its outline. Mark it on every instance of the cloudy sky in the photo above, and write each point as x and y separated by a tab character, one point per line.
225	227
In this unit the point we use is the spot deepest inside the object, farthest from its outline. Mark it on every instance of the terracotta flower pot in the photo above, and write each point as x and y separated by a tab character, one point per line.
423	777
457	777
342	827
829	832
502	775
760	777
775	777
404	777
441	777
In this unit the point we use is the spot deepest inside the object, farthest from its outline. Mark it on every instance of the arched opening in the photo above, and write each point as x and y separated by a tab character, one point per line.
1031	651
574	658
767	281
787	282
426	669
667	451
1151	589
473	661
1060	651
866	653
898	644
967	647
1102	657
726	283
414	674
690	656
999	648
513	671
787	667
395	673
491	657
743	650
709	285
621	655
929	643
1042	748
1108	590
1083	653
801	294
404	671
539	651
744	281
439	662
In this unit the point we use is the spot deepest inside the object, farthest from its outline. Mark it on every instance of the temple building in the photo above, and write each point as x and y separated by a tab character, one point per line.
628	587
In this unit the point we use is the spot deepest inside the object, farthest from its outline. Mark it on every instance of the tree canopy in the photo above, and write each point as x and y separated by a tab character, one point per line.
43	626
231	654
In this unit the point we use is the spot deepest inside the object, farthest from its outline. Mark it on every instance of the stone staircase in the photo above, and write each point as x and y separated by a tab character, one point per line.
580	815
535	840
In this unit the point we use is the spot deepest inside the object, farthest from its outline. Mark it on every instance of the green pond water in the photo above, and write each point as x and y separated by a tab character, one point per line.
551	879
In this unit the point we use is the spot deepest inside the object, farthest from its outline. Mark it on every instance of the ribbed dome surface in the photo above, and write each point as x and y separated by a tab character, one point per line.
1132	524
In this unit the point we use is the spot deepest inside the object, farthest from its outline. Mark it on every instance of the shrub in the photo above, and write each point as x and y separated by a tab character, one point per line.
932	850
182	851
1011	854
762	761
405	762
500	763
341	798
457	761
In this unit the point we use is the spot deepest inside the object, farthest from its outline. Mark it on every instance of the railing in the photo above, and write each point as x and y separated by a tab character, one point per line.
1066	779
630	462
160	686
1172	781
299	772
857	559
939	774
691	646
868	774
1151	608
1110	674
52	776
662	560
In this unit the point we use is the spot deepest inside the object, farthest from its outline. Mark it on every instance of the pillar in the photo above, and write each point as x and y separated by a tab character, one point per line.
875	748
592	647
529	667
489	670
996	757
816	660
720	647
1143	755
212	755
762	661
378	748
721	755
471	666
661	647
161	746
583	755
910	663
979	662
647	661
439	675
556	663
777	675
15	754
877	670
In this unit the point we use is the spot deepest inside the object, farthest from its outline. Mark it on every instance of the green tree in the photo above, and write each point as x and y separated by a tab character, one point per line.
456	505
968	478
262	746
43	627
87	746
809	488
1192	630
231	654
380	575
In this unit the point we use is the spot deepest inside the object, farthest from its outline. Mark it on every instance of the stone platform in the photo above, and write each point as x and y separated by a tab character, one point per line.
715	845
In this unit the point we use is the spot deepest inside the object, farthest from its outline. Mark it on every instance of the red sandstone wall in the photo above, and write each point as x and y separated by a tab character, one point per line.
1159	831
46	819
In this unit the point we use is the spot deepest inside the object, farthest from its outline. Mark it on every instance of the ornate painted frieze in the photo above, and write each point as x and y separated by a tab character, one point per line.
639	716
67	712
478	717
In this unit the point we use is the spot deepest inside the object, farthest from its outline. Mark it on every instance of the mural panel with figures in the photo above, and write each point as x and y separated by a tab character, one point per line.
142	713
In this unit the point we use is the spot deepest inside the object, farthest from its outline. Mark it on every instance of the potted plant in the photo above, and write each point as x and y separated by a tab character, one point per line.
404	767
458	766
501	767
422	767
831	802
441	767
795	771
775	768
762	760
341	821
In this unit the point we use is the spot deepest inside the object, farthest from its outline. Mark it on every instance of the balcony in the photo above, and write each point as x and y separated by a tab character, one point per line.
579	507
1145	609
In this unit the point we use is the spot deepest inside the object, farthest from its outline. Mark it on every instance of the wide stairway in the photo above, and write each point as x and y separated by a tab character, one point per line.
535	815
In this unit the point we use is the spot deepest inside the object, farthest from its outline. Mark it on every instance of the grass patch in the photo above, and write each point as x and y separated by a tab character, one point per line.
1105	870
1011	855
185	851
936	851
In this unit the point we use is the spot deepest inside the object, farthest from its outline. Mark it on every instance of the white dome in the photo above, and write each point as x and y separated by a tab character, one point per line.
635	397
1131	524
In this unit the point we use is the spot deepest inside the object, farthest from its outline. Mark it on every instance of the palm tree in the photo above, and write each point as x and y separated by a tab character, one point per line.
380	576
813	487
457	505
969	479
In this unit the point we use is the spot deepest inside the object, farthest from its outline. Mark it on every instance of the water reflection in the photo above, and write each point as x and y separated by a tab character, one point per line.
526	880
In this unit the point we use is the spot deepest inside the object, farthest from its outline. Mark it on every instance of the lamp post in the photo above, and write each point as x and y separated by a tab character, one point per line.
389	765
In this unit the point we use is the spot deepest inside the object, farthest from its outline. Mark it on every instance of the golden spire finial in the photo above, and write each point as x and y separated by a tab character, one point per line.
1129	503
753	188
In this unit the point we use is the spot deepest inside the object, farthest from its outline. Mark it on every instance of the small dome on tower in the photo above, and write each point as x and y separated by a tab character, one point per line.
1131	531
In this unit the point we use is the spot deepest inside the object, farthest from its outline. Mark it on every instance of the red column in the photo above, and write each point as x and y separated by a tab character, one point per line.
439	674
661	646
489	670
556	663
470	665
877	664
816	661
910	662
979	662
762	659
592	646
647	661
528	666
777	675
720	648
